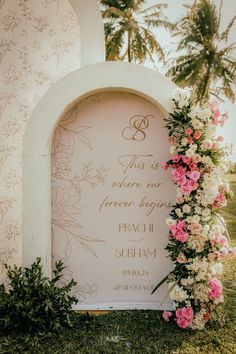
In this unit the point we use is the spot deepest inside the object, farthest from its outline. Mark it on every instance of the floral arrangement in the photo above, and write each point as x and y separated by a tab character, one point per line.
198	239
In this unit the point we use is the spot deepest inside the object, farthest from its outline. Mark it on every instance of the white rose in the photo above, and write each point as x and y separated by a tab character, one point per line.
186	208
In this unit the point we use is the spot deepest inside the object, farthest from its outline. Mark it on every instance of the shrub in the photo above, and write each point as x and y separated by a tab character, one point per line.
33	302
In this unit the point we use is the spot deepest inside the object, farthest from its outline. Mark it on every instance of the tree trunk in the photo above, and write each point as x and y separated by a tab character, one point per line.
129	46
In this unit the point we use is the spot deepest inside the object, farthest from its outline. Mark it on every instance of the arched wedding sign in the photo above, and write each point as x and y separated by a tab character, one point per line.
99	136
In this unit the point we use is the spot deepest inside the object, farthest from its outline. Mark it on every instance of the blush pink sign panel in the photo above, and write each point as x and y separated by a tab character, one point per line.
110	199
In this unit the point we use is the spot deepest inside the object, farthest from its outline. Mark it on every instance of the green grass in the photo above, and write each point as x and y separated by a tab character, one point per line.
133	332
141	332
230	211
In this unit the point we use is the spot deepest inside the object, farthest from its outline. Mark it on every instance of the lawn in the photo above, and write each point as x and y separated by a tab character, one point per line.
140	331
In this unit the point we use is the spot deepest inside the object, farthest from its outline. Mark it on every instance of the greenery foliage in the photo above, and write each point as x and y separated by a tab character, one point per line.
129	29
32	302
205	59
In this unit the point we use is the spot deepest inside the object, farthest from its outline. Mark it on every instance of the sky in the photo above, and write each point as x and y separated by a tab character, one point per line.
174	11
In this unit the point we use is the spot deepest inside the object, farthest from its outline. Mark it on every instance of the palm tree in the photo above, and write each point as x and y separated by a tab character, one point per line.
128	29
205	62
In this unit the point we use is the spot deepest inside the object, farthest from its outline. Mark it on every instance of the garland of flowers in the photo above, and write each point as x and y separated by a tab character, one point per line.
197	235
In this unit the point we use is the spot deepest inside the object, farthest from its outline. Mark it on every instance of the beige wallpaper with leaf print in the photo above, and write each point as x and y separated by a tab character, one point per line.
39	44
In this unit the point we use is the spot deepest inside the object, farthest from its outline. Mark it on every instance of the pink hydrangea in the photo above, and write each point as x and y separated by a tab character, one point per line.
166	315
216	288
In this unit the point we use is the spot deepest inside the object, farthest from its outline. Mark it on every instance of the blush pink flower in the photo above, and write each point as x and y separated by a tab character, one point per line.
178	175
193	166
194	175
207	145
164	166
188	186
197	134
184	317
195	228
216	288
166	315
188	131
220	199
186	160
196	158
176	158
181	258
190	140
183	323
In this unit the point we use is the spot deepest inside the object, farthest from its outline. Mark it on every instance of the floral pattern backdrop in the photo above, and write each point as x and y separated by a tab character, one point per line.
39	44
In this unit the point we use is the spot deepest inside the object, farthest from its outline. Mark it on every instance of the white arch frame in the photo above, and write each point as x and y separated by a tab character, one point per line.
36	192
92	38
92	41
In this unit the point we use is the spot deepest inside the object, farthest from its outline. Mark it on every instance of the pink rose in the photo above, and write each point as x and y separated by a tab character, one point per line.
176	158
216	288
188	313
190	140
193	166
164	166
166	315
183	323
186	160
220	199
197	134
194	175
207	145
181	258
196	158
179	313
178	175
188	131
178	231
188	186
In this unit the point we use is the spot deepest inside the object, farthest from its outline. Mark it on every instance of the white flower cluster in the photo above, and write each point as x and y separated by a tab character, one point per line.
178	294
182	96
197	241
199	321
199	267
